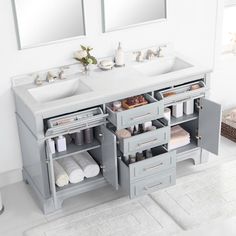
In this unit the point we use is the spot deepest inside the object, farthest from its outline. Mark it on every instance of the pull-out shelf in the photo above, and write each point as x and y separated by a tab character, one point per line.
71	123
182	93
124	119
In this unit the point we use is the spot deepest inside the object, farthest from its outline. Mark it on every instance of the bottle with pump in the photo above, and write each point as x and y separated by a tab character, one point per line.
119	56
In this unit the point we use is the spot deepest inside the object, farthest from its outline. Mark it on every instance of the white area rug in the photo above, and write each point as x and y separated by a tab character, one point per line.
120	217
207	195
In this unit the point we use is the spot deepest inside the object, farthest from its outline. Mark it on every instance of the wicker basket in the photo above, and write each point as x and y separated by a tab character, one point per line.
227	130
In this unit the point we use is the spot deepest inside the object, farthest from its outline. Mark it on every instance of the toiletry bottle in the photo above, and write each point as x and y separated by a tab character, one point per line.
119	56
88	136
51	144
61	143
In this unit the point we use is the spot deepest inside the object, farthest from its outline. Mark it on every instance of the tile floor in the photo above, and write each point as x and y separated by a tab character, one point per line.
22	213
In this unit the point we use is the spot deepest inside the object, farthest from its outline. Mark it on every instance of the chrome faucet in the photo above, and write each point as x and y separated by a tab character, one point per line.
150	54
50	77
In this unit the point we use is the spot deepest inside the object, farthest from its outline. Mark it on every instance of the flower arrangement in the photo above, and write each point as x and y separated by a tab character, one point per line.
84	56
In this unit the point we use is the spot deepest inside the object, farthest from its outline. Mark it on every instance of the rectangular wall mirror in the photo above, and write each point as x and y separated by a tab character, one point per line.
119	14
41	22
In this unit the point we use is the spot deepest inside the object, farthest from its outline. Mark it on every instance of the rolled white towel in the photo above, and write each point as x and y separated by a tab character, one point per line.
88	165
61	177
73	170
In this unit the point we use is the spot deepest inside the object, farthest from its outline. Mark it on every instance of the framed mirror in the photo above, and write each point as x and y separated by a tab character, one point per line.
119	14
41	22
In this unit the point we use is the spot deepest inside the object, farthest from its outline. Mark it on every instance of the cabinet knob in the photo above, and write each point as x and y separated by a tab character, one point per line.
198	137
100	135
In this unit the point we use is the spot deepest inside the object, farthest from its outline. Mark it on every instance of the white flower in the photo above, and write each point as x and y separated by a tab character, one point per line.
80	54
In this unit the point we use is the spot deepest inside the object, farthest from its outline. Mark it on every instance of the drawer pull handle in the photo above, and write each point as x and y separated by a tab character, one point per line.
140	117
153	167
151	187
146	143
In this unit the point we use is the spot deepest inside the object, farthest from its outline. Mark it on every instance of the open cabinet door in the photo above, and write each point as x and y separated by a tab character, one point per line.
209	125
109	157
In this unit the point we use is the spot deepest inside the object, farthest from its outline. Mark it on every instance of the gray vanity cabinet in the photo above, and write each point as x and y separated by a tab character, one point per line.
209	125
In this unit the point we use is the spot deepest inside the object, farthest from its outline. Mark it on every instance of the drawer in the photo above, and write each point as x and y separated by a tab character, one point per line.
181	93
146	140
161	160
148	184
124	119
153	184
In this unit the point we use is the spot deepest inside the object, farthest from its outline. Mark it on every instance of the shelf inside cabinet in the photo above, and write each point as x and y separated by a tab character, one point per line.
75	149
189	147
183	119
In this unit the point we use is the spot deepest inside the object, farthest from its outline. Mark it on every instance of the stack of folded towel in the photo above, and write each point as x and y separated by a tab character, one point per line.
179	137
74	169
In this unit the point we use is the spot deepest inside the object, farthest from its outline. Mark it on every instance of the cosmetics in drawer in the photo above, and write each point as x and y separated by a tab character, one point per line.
75	169
135	130
141	156
128	103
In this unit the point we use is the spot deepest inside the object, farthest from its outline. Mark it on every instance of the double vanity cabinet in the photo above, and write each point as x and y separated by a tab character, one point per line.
95	110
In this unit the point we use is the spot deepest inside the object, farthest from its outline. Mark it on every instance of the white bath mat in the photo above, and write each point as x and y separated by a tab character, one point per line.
199	198
120	217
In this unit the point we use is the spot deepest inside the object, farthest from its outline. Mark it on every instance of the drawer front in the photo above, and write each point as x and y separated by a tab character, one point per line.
153	165
153	183
145	141
124	119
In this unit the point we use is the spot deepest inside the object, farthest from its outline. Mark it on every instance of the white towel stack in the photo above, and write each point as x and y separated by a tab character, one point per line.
87	164
73	170
179	137
61	177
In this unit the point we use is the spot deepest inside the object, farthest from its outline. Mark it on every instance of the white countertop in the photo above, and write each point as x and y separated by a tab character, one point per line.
106	86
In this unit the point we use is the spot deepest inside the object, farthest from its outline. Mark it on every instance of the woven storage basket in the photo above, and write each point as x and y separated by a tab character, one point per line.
228	128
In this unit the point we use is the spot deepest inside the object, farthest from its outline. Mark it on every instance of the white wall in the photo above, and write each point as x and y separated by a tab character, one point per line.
190	25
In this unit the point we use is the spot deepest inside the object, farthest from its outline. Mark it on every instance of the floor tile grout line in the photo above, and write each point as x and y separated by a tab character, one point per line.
167	213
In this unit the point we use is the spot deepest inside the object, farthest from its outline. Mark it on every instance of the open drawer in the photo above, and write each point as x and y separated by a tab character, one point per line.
146	140
124	119
182	92
76	121
148	175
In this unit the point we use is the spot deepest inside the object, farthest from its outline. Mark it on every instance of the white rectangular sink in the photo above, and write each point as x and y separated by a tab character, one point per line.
59	90
161	66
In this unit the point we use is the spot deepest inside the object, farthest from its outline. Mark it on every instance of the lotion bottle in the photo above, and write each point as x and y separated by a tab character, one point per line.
61	143
119	56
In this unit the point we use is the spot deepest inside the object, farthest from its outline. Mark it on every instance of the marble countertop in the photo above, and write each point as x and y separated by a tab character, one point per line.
106	86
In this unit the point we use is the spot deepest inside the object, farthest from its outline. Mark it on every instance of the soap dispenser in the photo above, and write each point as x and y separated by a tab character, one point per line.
119	56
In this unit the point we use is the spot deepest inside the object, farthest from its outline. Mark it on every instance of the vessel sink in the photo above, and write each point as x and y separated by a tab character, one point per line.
161	66
59	90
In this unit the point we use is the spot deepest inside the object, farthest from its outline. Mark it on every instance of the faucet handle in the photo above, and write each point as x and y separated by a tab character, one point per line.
61	74
159	50
139	56
38	81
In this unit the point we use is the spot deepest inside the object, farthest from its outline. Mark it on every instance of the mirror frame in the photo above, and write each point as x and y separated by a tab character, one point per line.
105	30
20	47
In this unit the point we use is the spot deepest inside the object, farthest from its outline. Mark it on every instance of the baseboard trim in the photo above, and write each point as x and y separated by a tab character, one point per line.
10	177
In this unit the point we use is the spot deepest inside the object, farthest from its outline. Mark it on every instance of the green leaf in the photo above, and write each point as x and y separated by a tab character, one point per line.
83	47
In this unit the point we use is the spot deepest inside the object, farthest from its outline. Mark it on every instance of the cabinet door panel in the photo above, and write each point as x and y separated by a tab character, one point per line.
109	157
210	125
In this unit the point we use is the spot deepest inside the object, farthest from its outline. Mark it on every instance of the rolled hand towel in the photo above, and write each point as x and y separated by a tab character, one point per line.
73	170
88	165
61	177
